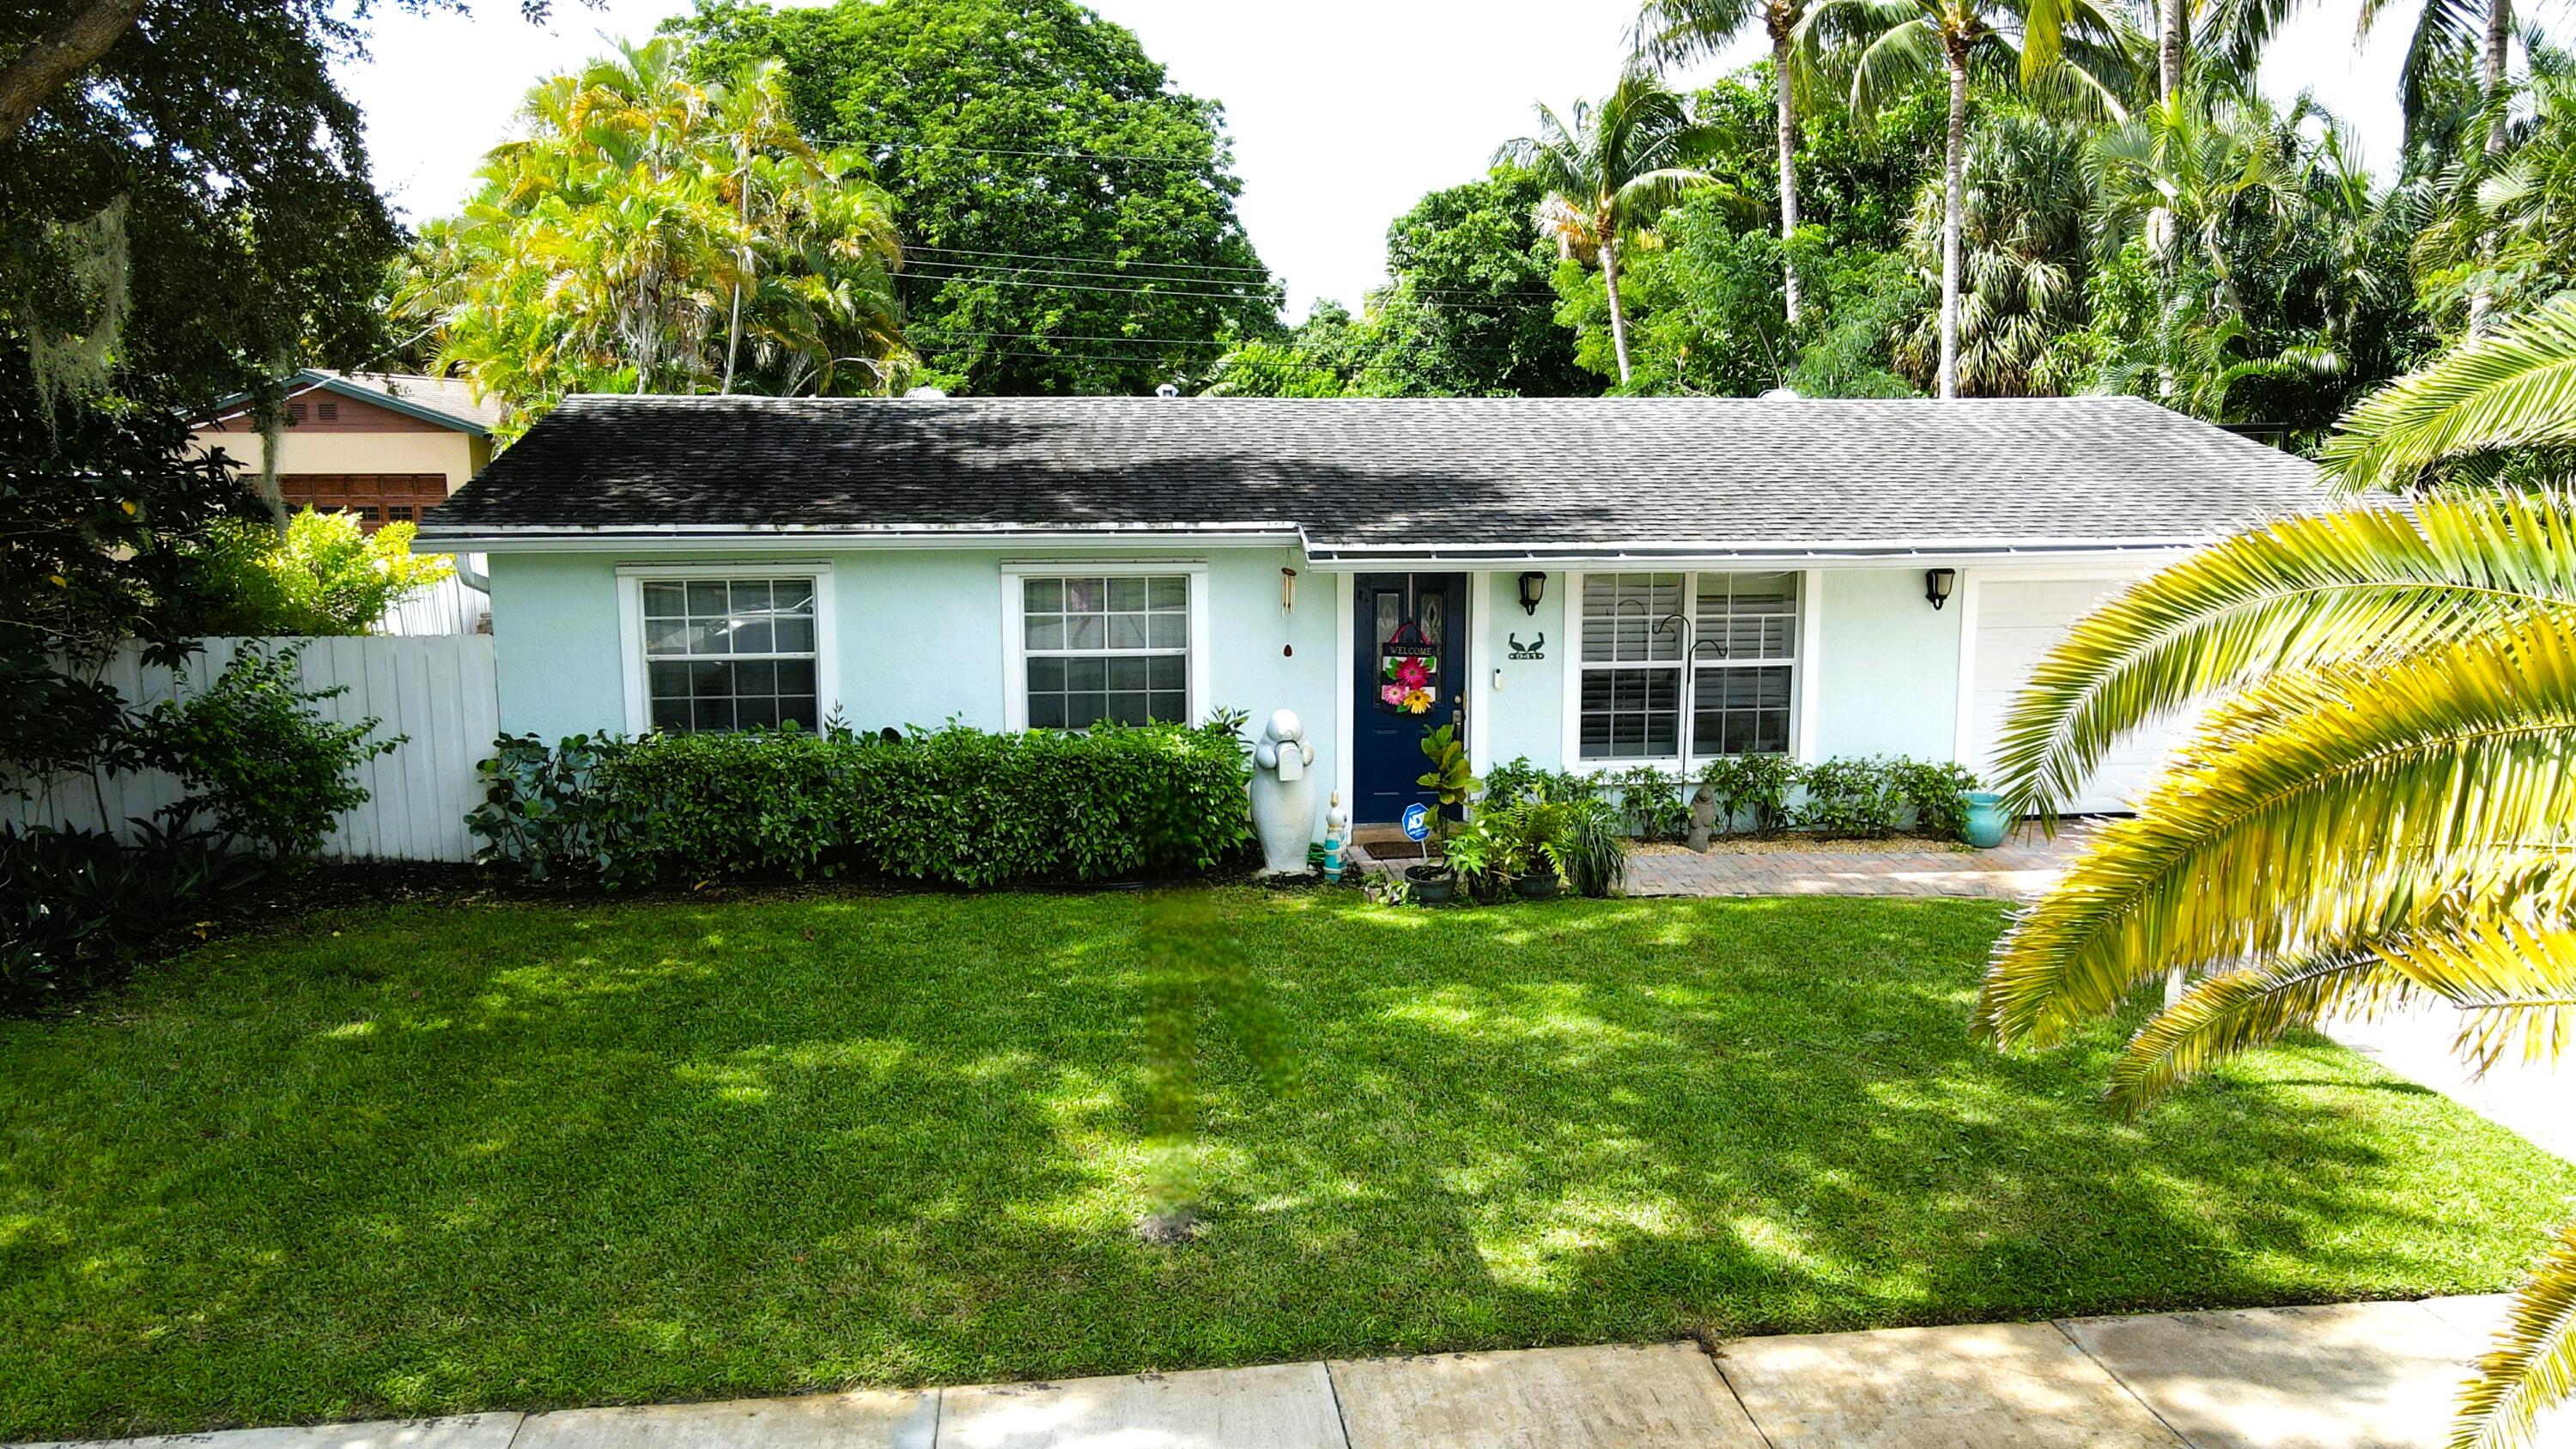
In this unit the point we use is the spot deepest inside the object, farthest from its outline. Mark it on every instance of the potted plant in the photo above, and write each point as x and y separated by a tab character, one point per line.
1453	784
1473	864
1526	845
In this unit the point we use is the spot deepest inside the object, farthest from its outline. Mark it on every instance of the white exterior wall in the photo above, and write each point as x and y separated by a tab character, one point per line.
922	638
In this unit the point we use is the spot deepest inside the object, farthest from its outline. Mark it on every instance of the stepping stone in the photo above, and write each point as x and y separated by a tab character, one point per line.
811	1421
1976	1387
1578	1398
1282	1406
463	1431
2345	1376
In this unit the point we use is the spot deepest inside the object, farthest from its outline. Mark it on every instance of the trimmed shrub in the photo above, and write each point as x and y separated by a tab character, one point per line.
954	806
1763	795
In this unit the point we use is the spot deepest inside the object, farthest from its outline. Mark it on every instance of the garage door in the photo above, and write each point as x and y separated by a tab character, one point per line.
2018	621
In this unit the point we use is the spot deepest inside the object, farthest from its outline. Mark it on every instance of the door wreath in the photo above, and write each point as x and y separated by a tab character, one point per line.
1408	670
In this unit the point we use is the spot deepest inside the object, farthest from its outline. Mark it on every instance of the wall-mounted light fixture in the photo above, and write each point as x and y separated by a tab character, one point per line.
1287	591
1937	584
1533	589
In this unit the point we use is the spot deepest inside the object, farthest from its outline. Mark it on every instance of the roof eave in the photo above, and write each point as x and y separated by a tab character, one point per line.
308	379
698	538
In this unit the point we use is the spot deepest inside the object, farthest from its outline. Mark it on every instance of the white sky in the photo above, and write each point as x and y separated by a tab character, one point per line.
1343	112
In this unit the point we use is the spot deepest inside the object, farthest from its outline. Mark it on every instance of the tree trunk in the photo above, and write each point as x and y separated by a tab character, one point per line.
1618	318
2492	71
2172	40
733	320
1784	54
1954	204
59	54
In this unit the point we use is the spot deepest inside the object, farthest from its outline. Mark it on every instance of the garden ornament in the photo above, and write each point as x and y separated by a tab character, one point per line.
1283	794
1703	817
1337	827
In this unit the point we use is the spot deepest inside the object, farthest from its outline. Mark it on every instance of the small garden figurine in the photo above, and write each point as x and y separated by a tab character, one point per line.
1283	794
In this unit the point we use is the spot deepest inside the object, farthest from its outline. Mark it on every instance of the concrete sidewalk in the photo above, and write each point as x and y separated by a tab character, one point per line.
2345	1376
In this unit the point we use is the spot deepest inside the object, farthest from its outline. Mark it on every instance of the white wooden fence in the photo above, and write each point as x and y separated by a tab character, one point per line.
437	689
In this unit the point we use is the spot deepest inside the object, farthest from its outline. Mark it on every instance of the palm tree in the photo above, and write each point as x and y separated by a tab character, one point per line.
1892	46
1672	31
655	234
2374	811
2024	250
1609	171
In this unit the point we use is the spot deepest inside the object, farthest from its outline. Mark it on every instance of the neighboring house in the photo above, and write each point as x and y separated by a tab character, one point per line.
386	447
1588	582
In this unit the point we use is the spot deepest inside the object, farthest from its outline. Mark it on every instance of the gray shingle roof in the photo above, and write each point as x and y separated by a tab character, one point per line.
1530	475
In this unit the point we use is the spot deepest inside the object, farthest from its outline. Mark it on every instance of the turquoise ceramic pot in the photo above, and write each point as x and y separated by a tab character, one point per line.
1987	824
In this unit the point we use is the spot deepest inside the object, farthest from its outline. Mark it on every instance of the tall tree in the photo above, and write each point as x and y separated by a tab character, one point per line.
1889	47
1069	216
2373	812
180	212
1679	30
646	231
1609	170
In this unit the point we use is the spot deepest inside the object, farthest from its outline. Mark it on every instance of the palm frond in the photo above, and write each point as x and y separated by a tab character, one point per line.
2237	1011
2341	804
2533	1363
2515	388
2513	981
2302	592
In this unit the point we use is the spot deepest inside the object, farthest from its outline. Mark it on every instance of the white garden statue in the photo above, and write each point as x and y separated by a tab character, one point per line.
1283	794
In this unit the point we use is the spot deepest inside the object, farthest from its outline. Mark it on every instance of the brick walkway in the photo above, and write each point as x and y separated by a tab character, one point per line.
2011	871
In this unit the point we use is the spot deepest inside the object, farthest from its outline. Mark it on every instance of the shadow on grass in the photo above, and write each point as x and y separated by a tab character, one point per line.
533	1155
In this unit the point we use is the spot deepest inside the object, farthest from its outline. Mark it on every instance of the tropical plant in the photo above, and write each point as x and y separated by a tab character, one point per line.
324	575
1889	47
1451	779
2026	257
2372	813
1671	31
1609	169
647	231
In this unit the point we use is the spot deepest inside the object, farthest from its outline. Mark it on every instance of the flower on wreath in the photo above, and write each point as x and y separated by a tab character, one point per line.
1418	702
1411	674
1393	694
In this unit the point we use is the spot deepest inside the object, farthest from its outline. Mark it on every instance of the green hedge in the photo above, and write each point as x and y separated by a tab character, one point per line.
1764	794
955	806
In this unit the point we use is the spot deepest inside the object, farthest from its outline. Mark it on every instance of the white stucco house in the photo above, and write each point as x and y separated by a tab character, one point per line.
1587	582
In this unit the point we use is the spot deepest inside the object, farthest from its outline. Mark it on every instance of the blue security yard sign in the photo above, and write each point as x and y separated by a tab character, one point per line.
1417	821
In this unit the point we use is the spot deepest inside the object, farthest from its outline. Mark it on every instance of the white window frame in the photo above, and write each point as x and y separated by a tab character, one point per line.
1015	661
1801	673
631	579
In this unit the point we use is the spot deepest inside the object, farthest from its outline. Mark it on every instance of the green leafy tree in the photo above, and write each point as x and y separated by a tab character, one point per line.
1468	313
184	205
1070	217
652	234
1678	30
2373	811
1608	170
324	575
1891	48
2026	252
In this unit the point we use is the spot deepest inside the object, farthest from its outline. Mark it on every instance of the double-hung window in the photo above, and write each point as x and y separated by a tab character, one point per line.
1104	647
1678	666
729	653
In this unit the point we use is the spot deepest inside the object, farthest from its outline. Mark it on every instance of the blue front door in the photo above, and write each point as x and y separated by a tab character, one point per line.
1412	673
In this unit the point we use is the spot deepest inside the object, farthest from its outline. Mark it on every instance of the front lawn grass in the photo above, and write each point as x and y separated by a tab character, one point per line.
409	1160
